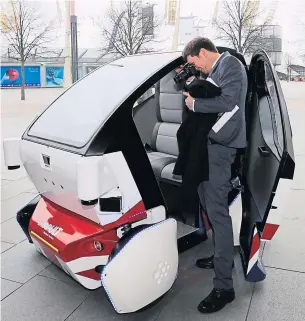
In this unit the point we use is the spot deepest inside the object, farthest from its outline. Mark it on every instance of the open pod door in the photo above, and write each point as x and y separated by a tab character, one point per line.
269	163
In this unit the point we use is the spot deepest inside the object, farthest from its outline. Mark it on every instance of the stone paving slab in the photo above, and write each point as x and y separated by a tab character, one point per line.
298	180
287	249
5	181
11	206
11	232
97	308
13	175
15	188
22	262
6	246
281	297
42	299
8	287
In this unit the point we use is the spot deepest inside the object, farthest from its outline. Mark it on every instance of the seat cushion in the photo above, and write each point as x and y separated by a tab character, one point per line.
170	100
166	140
172	107
159	160
167	173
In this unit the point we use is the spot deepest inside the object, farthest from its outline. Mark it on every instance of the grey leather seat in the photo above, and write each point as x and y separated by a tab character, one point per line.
170	112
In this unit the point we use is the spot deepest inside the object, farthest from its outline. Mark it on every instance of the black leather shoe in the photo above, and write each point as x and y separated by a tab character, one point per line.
207	263
216	300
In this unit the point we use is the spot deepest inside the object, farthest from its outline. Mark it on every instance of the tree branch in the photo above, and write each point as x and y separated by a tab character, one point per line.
237	24
130	30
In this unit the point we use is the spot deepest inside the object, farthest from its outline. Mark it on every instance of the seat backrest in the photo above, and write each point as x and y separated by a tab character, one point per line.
170	111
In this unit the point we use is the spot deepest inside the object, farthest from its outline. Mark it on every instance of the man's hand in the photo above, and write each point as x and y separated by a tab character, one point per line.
189	100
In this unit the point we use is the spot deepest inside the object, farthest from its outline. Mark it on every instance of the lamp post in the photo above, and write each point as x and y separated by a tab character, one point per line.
71	51
175	42
74	47
67	66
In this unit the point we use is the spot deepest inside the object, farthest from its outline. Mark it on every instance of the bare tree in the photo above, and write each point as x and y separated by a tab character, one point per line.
302	40
26	33
287	64
236	24
130	30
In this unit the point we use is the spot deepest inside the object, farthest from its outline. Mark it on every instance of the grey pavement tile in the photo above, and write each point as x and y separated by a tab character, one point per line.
13	175
13	126
298	145
22	262
42	299
280	297
15	188
32	191
297	123
299	175
5	246
11	206
295	205
7	287
5	182
299	149
286	250
11	231
97	308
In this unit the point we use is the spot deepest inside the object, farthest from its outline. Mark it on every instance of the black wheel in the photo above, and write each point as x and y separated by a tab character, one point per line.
152	304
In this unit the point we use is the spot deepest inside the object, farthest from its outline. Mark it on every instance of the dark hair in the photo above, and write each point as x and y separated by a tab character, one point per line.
194	46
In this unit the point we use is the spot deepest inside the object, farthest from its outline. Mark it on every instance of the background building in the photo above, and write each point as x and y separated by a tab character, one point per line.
191	27
271	42
171	11
47	71
195	18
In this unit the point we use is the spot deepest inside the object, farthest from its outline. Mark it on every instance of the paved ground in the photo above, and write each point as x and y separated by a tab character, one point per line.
32	289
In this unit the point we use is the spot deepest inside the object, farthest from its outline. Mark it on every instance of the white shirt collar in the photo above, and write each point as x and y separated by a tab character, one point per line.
216	61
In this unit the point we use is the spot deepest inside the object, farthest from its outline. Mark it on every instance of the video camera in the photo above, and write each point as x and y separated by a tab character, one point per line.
197	88
188	70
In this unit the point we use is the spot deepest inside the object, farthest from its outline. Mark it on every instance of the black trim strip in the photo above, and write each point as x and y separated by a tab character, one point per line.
188	241
157	97
154	136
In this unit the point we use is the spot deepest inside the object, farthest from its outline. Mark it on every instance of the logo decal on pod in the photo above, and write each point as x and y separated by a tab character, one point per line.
50	228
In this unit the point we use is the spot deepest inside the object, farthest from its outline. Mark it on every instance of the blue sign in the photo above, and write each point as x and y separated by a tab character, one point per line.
54	76
11	76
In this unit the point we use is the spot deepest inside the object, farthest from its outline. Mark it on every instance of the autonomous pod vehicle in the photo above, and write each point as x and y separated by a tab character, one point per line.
101	157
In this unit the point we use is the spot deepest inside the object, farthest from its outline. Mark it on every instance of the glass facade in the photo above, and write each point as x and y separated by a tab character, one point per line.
271	42
299	70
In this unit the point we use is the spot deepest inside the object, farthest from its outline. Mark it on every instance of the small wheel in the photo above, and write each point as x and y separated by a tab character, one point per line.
152	304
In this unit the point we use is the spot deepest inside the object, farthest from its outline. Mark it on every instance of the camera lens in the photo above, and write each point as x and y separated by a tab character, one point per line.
187	71
179	77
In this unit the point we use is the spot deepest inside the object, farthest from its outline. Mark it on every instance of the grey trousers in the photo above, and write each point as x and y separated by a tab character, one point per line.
213	196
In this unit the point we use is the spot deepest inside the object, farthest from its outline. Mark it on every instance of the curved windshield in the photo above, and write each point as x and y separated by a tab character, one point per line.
75	116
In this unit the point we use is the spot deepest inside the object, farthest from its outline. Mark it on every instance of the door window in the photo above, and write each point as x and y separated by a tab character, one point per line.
276	112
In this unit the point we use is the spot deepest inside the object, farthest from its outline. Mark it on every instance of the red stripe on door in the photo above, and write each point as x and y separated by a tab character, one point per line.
269	231
255	245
